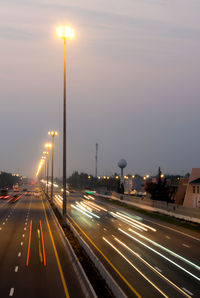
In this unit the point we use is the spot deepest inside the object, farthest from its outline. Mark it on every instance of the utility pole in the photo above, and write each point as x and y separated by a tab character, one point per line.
96	160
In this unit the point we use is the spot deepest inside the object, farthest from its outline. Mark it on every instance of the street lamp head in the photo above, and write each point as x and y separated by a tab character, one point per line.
52	133
65	32
45	152
48	145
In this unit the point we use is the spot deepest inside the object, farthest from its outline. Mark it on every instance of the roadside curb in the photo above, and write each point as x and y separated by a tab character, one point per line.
84	281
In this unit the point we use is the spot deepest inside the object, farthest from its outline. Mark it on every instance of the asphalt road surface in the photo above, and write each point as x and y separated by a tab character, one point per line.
146	257
33	259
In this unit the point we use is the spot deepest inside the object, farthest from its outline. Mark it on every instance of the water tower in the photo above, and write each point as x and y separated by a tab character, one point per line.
122	164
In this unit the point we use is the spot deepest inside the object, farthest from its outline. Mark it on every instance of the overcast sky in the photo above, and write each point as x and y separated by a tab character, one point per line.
133	84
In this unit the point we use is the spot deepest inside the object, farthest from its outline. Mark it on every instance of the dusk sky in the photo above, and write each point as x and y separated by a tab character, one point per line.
133	84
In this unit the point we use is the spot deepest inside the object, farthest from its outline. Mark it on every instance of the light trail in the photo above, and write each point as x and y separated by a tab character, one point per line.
138	222
86	197
81	207
81	211
154	269
93	204
128	222
85	206
91	198
140	272
86	203
167	250
161	255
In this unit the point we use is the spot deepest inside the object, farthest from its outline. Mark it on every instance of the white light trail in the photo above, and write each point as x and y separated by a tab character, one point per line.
81	211
91	198
167	250
130	263
87	203
128	222
150	266
93	204
85	210
138	222
161	255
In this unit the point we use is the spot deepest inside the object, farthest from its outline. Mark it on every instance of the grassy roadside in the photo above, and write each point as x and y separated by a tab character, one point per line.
92	273
165	218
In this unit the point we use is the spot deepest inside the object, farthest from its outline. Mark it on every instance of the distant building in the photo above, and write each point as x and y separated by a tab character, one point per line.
192	196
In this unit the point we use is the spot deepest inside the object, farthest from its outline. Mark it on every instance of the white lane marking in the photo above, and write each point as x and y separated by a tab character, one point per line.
25	223
158	269
24	229
23	235
174	230
6	219
21	243
3	223
191	294
97	224
11	291
0	228
105	229
185	245
19	254
9	215
16	268
167	237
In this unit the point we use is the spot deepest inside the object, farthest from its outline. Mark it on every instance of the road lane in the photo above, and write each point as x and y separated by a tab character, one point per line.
108	226
38	278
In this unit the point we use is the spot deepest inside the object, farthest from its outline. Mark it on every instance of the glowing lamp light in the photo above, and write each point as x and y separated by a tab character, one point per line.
65	32
47	145
52	133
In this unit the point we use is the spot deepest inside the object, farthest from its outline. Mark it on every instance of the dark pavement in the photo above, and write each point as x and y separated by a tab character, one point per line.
160	260
27	223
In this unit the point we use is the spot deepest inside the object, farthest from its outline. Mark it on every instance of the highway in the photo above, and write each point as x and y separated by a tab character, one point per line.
33	259
147	257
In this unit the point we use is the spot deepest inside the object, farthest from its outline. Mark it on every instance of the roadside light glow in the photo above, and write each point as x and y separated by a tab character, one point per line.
116	177
65	32
133	176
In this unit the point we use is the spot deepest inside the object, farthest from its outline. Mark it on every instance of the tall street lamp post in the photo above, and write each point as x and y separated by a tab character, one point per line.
64	33
53	134
45	167
47	146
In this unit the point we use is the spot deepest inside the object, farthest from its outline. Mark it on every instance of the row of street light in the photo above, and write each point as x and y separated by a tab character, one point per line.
44	162
63	32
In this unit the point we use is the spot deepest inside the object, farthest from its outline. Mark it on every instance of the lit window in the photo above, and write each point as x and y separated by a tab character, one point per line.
193	188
